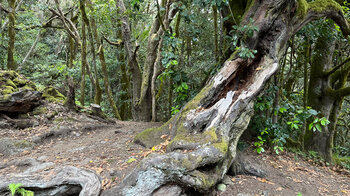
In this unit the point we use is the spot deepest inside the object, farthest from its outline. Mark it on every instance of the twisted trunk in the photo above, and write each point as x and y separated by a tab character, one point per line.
204	134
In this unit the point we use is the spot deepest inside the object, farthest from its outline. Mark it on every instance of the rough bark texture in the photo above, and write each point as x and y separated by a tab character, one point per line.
142	95
11	64
61	181
318	98
204	134
132	62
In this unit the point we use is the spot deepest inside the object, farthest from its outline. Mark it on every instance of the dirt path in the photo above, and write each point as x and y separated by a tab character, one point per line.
108	150
289	175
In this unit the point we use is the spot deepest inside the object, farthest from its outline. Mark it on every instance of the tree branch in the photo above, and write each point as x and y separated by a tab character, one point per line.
117	43
334	69
330	9
2	8
342	92
72	30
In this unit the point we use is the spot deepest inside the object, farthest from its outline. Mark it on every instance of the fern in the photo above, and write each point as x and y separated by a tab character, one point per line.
16	188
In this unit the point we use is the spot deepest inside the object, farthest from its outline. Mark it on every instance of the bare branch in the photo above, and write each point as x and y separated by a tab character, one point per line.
117	43
72	30
2	8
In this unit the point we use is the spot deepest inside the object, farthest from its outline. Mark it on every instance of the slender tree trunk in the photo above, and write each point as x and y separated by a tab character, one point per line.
11	64
216	49
89	24
105	73
70	101
104	70
83	62
306	62
125	108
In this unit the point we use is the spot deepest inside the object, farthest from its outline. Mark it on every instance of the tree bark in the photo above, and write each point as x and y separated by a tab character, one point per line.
131	56
204	134
83	56
98	90
11	64
318	96
70	101
142	89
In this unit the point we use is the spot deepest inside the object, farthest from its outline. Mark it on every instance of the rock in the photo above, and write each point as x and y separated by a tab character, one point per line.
114	173
168	190
221	187
9	146
227	180
42	158
11	81
19	102
17	94
51	115
53	95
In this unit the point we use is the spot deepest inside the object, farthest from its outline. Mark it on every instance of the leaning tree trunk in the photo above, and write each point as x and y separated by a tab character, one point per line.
204	134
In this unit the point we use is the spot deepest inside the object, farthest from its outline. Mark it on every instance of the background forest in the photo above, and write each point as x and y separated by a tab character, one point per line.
142	61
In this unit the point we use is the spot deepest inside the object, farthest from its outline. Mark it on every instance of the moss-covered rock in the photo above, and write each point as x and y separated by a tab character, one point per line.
52	94
11	81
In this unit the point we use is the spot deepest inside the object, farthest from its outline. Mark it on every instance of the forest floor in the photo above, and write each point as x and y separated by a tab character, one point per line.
79	140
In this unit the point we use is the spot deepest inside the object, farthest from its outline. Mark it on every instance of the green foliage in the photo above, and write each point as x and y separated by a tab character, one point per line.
16	188
343	161
240	36
290	121
259	144
318	123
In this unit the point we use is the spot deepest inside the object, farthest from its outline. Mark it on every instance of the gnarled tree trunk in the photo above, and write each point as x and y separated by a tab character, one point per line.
204	134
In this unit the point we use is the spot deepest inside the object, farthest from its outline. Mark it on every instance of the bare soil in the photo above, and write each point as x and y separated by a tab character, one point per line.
107	148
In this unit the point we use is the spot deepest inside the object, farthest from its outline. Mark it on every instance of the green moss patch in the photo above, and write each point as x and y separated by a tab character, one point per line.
302	8
320	6
11	81
23	144
53	95
152	137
